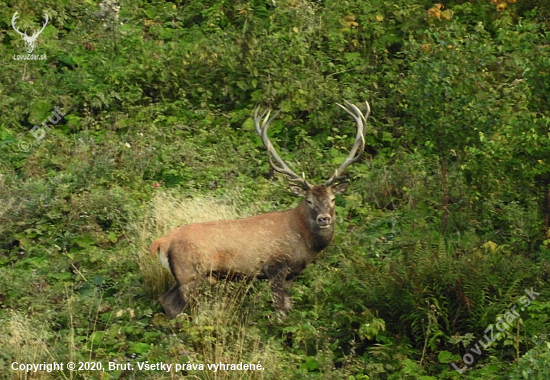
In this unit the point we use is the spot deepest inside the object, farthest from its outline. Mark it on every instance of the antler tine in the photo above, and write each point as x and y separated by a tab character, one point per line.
43	26
257	119
359	145
280	166
13	24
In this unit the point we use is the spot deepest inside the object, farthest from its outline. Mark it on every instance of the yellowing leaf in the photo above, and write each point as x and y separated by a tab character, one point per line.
447	14
296	30
490	246
379	18
501	7
435	11
349	21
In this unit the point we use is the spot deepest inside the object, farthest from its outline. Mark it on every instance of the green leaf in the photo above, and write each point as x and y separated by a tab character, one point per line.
40	111
97	337
444	356
139	348
61	276
311	364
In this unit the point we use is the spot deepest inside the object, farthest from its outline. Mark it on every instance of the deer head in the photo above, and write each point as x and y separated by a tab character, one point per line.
29	40
319	199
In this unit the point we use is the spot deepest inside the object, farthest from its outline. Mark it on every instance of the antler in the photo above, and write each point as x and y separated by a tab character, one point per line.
359	145
261	130
35	34
13	24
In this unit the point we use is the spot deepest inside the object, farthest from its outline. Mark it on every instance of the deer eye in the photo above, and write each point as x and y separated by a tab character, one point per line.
309	202
332	199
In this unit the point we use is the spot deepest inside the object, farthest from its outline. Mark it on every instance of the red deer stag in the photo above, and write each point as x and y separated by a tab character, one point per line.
276	246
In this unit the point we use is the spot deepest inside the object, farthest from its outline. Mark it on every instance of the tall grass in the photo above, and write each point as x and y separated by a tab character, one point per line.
24	341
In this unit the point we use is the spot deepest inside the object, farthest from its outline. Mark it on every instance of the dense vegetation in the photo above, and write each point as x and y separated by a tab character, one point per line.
445	225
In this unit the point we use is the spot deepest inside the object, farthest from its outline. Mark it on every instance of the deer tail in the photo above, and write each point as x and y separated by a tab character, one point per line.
153	250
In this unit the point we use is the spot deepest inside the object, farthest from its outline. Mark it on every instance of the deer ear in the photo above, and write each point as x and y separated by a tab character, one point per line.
340	188
297	190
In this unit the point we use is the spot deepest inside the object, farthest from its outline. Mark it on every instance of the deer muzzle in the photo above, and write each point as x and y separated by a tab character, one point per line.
324	220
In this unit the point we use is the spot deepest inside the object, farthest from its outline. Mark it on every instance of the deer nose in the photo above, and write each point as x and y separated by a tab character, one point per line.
323	220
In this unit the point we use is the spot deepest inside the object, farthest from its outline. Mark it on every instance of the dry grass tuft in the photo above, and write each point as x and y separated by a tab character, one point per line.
227	332
24	341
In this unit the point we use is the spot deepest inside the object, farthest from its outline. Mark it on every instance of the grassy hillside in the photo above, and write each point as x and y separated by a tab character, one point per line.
139	119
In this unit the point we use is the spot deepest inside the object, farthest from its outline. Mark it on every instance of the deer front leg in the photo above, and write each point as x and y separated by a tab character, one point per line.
277	277
288	301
